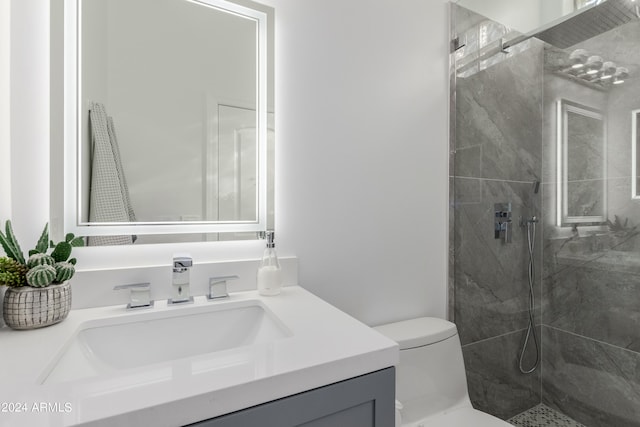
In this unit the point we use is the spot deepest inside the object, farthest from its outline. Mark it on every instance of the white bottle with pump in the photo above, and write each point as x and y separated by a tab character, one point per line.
269	273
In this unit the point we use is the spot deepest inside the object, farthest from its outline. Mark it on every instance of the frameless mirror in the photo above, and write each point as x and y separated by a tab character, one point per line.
168	120
581	168
635	140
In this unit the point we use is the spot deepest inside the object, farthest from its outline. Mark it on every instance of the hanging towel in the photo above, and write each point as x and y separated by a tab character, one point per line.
109	197
123	180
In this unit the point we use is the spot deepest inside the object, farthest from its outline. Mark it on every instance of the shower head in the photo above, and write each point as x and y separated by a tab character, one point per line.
587	23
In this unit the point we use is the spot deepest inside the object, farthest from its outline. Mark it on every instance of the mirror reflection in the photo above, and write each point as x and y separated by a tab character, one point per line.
581	164
174	136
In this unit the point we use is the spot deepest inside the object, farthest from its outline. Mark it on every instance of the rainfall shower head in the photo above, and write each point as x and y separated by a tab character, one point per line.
589	22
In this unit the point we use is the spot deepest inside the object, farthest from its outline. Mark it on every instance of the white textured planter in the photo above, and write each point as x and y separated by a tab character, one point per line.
31	308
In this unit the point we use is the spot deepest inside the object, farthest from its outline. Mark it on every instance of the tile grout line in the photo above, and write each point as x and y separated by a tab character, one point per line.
496	336
491	179
593	339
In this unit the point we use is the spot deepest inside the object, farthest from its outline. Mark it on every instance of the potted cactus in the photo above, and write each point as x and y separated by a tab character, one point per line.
39	293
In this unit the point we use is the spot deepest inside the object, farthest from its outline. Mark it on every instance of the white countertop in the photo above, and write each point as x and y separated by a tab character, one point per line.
325	346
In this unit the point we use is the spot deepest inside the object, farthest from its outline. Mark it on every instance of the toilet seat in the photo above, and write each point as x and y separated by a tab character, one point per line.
460	417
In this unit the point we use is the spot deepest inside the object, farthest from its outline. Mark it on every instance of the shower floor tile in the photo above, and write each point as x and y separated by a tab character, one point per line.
543	416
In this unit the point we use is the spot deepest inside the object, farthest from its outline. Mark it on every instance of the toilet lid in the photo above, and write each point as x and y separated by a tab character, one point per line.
418	332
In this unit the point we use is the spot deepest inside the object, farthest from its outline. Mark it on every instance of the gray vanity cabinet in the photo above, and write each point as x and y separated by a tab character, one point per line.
364	401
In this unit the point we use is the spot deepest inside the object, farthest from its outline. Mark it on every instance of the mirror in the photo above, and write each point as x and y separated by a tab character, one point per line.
635	140
168	120
581	157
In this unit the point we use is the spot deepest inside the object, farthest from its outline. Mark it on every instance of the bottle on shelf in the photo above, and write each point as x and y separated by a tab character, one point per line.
269	272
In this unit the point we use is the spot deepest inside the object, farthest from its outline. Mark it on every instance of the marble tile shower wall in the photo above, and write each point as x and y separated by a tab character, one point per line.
591	291
497	154
589	310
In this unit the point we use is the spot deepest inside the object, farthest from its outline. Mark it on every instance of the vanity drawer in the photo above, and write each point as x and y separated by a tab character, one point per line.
363	401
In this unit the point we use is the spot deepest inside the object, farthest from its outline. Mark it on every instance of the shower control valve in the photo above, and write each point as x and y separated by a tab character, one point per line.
502	222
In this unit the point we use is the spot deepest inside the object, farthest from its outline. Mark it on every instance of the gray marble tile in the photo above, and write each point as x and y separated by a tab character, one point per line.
468	161
594	383
620	202
452	120
585	148
480	36
491	283
548	210
619	128
588	288
494	112
618	45
622	101
464	18
586	198
496	386
555	89
598	303
467	191
451	294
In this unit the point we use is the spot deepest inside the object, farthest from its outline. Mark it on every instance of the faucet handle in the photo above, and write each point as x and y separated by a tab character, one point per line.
181	263
140	295
218	287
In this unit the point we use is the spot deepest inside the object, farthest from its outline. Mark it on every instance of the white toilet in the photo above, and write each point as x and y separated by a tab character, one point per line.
431	384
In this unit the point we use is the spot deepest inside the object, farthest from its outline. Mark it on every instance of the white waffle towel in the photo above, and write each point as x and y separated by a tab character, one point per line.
109	200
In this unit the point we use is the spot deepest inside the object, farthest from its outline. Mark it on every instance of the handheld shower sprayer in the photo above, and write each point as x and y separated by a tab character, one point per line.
530	223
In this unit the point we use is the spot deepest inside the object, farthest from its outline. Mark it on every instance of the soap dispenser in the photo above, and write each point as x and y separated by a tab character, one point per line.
269	273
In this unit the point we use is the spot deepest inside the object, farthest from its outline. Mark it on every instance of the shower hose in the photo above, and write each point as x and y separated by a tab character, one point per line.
531	331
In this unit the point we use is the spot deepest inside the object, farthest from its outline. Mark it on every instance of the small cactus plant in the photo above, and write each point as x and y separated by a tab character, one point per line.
62	250
43	242
10	244
41	276
64	271
12	273
40	269
40	259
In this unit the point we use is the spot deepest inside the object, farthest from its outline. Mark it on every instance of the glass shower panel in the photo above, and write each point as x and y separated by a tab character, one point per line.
496	157
591	303
506	137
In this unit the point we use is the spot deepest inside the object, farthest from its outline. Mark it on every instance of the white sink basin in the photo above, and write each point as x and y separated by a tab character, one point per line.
164	335
115	367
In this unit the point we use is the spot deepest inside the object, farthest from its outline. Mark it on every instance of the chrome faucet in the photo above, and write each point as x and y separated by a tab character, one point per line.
180	280
140	295
218	287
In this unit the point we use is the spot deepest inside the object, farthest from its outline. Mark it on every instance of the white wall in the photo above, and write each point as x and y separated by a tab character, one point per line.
5	107
361	172
362	100
29	119
5	118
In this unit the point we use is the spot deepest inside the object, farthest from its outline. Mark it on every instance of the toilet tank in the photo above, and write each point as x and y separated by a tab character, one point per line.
430	377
